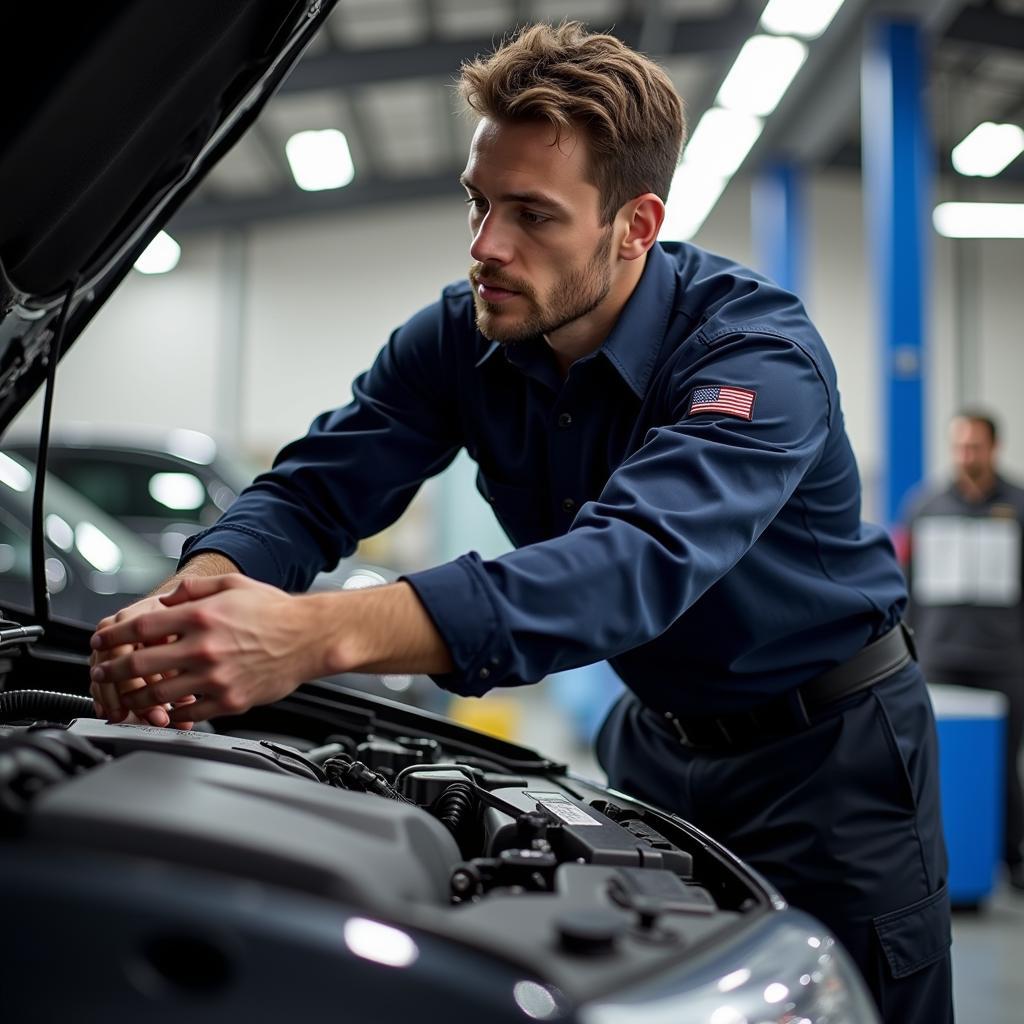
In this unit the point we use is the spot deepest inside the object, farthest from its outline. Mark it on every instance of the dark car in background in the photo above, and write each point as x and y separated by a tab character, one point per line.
164	485
94	565
330	856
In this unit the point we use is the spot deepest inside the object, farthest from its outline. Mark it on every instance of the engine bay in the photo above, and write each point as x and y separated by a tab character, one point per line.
584	888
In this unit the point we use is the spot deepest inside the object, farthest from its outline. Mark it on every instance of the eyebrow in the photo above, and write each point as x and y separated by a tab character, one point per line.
531	198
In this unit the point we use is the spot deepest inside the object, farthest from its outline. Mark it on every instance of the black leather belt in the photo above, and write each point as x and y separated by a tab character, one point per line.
793	711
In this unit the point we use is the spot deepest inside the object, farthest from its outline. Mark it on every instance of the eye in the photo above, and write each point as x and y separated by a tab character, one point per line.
533	218
476	204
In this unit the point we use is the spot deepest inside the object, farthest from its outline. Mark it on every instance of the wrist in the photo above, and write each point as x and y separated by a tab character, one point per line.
379	629
341	646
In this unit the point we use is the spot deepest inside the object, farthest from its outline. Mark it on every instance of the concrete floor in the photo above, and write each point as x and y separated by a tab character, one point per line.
988	943
988	960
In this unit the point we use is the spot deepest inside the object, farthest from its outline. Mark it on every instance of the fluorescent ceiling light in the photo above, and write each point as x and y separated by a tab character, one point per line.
989	149
761	74
692	197
979	220
60	532
160	256
177	491
320	159
14	474
804	18
97	548
721	141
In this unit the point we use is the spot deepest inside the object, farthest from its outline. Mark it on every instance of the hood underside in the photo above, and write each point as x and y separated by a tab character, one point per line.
125	108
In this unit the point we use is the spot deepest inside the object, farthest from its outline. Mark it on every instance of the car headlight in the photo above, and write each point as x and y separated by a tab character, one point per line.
787	971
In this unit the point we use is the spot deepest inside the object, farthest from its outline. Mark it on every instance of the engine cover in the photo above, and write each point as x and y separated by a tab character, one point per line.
357	848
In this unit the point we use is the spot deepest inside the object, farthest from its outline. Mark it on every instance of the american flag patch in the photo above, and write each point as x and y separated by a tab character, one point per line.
730	401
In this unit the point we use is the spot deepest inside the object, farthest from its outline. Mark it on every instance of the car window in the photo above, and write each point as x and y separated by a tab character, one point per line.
135	489
93	563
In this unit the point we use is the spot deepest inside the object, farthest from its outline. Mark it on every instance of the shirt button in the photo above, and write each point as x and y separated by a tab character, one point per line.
569	505
564	420
484	673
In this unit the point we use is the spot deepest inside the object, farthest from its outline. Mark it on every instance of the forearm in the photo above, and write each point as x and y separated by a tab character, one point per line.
207	563
380	629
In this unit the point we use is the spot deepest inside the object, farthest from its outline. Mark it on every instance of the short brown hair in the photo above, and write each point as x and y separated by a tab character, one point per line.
574	79
985	418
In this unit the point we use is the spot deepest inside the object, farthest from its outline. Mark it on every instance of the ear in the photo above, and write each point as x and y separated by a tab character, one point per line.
642	218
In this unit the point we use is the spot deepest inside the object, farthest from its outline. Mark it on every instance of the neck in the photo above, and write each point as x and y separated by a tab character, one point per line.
976	488
587	334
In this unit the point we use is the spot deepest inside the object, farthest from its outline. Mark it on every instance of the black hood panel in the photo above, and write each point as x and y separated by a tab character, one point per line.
130	95
123	110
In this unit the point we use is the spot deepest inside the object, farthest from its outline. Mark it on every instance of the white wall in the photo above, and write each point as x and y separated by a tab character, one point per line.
322	296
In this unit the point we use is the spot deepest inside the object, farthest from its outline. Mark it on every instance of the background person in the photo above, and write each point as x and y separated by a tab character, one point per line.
966	573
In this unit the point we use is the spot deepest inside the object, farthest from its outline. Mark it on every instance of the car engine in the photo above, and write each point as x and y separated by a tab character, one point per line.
461	843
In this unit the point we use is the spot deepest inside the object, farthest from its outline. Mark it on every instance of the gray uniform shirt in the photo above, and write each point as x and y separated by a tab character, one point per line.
966	575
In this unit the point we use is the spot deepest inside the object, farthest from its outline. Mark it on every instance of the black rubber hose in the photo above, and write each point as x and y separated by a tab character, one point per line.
44	704
452	807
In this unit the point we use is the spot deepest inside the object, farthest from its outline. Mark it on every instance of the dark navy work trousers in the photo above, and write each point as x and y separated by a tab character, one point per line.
842	817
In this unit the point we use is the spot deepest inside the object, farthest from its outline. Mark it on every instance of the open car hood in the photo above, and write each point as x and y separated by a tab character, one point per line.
126	107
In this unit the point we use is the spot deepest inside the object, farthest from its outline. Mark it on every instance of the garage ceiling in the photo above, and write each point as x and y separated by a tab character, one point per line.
383	73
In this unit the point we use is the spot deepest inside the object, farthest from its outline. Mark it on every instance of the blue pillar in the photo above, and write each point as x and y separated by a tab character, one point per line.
896	191
777	224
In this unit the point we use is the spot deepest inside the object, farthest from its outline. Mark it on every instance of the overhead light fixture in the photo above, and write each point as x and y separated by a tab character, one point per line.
160	256
979	220
761	74
721	141
989	149
693	195
320	159
97	548
804	18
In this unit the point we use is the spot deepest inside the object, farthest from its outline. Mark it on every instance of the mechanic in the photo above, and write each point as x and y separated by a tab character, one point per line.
659	432
971	625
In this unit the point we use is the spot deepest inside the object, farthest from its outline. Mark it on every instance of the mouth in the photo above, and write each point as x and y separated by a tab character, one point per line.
492	292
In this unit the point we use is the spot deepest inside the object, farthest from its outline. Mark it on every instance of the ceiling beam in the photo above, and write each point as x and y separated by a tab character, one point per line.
340	69
292	202
987	27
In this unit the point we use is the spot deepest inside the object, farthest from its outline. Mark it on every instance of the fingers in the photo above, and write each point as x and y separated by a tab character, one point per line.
150	628
167	691
157	716
105	695
185	702
193	588
200	711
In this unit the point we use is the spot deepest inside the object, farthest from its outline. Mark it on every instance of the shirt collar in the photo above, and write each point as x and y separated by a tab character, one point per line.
632	347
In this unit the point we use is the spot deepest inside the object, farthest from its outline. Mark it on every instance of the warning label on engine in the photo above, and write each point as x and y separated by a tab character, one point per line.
563	809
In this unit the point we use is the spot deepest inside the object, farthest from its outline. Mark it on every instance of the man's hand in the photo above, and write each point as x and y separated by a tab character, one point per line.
231	640
235	643
107	696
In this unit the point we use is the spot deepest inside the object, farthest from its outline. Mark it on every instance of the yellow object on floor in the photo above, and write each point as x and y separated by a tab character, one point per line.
495	715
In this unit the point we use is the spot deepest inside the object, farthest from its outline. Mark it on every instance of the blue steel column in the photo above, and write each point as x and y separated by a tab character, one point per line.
896	191
777	224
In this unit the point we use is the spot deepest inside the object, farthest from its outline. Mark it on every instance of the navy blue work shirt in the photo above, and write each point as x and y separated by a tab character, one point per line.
685	503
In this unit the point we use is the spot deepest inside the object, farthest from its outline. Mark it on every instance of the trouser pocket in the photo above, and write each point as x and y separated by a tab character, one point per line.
915	936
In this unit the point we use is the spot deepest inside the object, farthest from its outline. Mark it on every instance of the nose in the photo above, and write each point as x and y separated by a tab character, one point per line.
491	243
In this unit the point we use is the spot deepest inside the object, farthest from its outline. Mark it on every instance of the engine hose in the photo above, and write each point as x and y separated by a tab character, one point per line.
44	704
454	806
